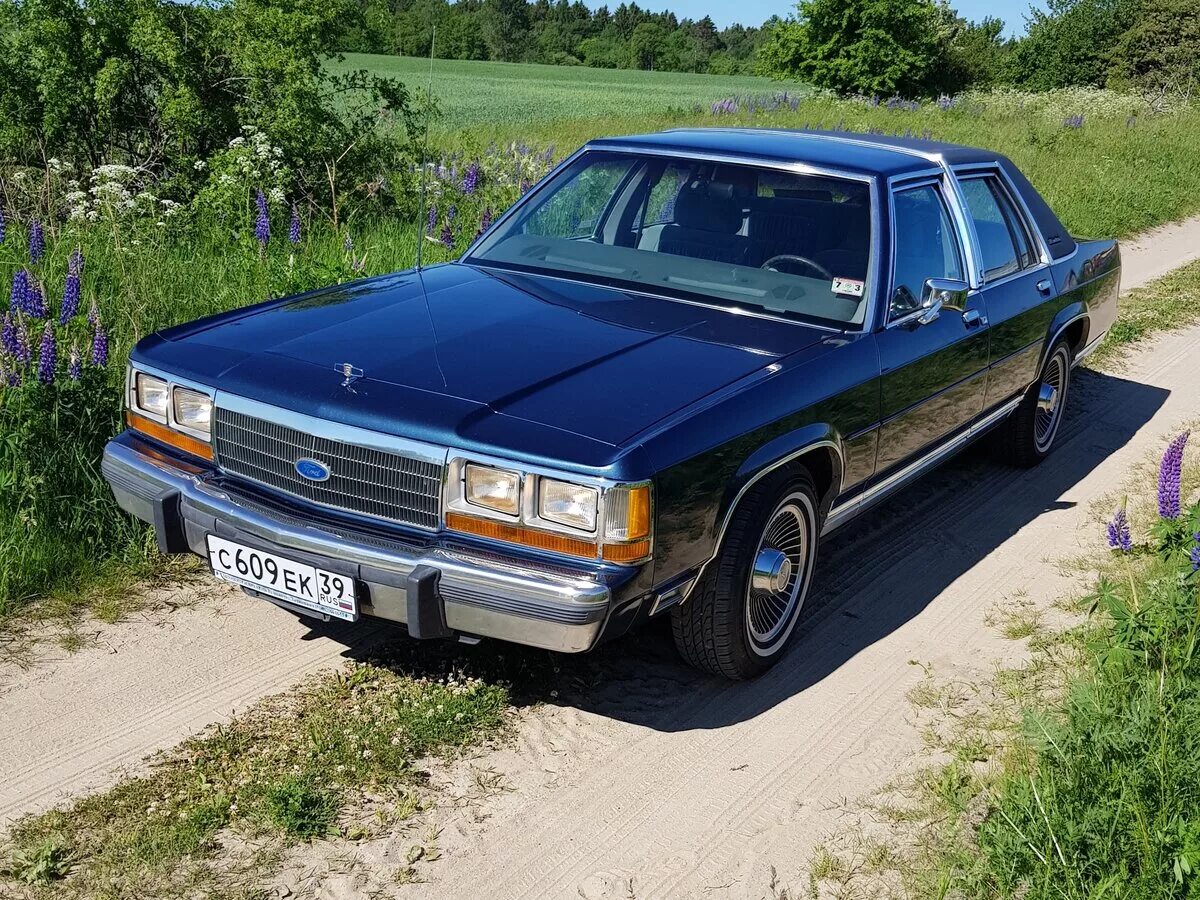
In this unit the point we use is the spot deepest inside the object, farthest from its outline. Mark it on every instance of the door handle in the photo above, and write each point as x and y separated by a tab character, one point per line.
973	318
1044	286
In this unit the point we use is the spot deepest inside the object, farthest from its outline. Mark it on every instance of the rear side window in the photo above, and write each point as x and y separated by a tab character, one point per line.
925	246
1004	239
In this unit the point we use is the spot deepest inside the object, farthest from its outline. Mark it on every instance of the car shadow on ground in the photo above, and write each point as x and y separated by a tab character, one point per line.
873	576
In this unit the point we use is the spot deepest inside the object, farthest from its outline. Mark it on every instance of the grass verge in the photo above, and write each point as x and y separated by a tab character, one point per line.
1075	775
1164	304
339	757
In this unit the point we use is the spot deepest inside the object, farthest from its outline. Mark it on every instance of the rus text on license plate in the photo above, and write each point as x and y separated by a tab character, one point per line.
297	583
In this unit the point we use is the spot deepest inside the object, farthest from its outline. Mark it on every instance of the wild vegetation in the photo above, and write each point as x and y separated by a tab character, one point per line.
212	817
922	47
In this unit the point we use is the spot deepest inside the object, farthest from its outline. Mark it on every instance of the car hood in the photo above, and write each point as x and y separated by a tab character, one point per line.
474	343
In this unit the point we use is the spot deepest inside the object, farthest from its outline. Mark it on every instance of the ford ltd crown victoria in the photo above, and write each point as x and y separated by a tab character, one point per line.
649	389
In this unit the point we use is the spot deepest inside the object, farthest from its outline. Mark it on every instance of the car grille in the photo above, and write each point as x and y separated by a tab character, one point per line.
362	480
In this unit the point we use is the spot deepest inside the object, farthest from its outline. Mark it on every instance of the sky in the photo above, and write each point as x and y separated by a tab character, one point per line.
754	12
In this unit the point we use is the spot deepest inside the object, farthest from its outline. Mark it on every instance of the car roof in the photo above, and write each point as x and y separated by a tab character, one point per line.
864	154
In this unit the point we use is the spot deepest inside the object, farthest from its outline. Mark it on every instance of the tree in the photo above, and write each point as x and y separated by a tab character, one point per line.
1160	54
506	28
1070	43
859	46
647	44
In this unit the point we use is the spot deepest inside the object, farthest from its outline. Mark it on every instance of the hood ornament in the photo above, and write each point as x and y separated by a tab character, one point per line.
349	373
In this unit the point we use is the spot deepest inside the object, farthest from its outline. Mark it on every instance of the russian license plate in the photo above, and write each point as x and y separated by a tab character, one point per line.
315	589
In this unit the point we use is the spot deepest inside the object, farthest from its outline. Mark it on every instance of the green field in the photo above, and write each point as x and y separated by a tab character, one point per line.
473	93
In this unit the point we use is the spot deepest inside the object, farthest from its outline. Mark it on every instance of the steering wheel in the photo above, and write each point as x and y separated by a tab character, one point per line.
803	260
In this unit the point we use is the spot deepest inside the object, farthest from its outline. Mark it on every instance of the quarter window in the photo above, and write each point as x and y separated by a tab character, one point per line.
925	246
1004	240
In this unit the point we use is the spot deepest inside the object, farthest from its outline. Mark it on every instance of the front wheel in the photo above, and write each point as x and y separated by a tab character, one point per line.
1029	435
740	615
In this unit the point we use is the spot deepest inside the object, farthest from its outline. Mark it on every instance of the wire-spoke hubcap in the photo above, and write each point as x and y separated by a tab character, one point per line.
780	574
1050	401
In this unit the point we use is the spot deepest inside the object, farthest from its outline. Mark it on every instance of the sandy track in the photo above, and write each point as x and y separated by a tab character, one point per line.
659	778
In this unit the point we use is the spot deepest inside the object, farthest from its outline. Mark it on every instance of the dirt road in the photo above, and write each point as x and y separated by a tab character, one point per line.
660	783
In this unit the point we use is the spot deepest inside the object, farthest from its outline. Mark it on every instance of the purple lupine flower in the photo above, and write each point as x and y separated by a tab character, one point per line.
74	364
47	355
262	223
1073	122
433	219
8	336
99	346
3	226
348	243
451	213
1119	537
37	241
20	289
22	352
1169	472
75	262
294	226
1194	556
447	235
93	316
471	180
70	298
35	302
486	222
526	185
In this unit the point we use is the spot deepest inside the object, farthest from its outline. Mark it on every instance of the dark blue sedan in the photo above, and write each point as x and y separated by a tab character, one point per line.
649	389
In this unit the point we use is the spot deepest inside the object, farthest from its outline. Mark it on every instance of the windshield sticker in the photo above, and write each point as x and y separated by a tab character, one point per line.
849	287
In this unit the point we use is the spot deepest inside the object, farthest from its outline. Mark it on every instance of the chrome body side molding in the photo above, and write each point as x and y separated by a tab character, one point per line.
844	512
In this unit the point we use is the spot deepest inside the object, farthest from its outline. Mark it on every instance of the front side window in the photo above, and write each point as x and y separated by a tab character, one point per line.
1004	241
733	235
926	246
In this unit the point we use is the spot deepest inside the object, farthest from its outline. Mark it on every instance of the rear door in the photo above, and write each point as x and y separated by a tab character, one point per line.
1015	280
933	375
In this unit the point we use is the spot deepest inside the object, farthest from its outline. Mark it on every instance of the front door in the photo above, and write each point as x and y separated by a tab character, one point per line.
933	373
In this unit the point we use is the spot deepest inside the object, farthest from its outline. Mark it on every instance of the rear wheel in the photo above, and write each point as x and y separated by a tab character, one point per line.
1029	435
740	615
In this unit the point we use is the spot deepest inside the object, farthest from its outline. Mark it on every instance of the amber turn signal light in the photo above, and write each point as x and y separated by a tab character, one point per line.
168	436
519	534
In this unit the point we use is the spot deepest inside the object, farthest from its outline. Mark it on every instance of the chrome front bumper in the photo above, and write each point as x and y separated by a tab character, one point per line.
483	594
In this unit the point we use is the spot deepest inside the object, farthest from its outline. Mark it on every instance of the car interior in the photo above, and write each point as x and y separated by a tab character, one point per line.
782	241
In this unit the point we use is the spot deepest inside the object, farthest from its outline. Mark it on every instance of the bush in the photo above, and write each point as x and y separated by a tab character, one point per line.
881	47
160	86
1069	43
1160	54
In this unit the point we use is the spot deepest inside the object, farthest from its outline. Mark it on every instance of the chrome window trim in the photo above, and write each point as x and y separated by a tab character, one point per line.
929	155
983	169
172	381
796	167
897	184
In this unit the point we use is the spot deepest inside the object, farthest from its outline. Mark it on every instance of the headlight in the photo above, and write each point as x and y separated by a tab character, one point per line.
590	519
192	410
150	395
493	489
573	505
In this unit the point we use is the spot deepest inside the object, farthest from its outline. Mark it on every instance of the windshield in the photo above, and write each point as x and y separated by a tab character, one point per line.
764	239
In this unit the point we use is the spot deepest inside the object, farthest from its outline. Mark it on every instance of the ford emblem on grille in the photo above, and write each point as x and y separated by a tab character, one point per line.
312	469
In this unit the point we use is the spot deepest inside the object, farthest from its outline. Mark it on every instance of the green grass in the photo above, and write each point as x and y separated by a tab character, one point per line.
525	95
1075	776
1170	302
336	758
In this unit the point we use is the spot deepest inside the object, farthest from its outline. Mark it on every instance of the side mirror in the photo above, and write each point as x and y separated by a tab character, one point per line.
941	293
